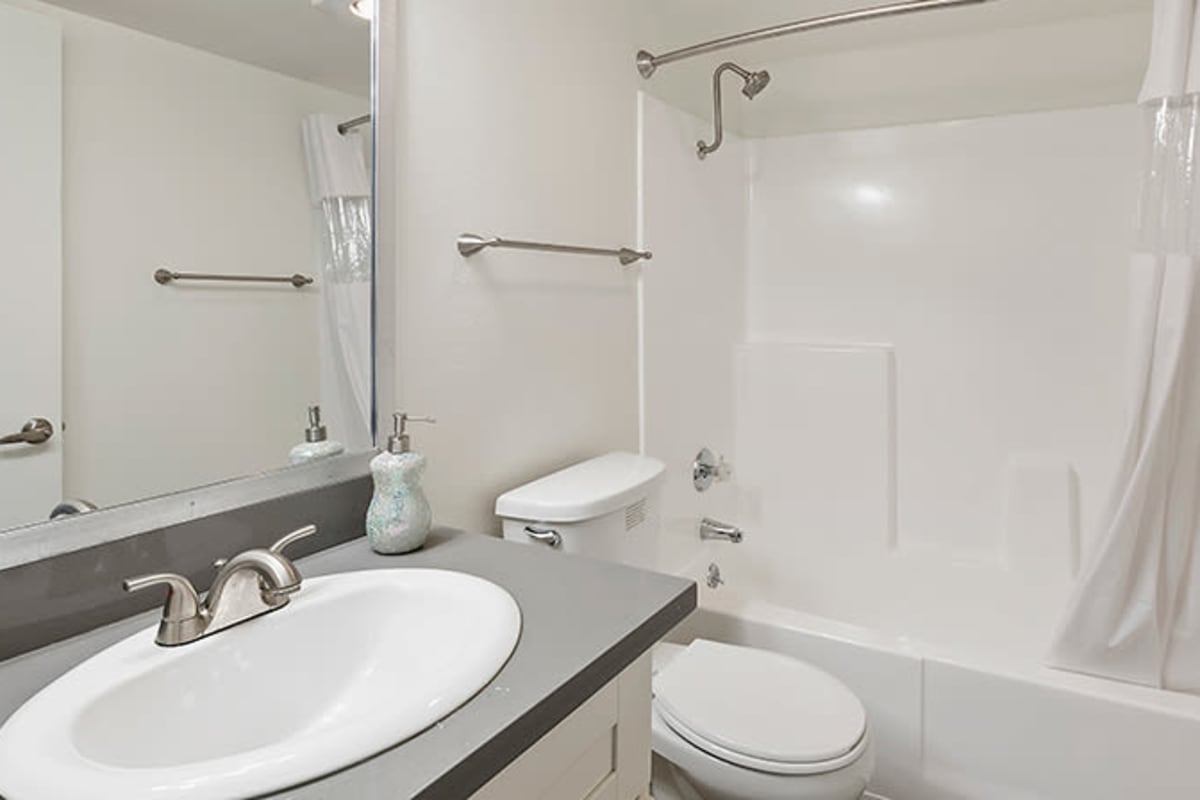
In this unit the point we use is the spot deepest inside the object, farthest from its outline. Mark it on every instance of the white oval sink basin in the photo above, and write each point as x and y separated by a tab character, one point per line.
355	664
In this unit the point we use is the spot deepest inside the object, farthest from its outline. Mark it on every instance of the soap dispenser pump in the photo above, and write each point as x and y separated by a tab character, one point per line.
399	517
316	444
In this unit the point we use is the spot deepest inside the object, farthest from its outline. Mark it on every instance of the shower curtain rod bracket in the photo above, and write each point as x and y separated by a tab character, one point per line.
645	63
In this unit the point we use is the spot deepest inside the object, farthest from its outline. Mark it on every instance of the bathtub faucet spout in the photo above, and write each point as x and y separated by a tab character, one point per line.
712	529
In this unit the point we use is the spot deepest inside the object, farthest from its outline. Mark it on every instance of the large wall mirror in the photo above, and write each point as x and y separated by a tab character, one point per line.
148	146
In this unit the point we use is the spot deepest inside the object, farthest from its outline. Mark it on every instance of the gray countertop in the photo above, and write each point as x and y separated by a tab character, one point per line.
583	622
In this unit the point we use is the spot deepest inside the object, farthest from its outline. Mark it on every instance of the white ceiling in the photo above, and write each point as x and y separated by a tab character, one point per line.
676	23
322	44
1003	56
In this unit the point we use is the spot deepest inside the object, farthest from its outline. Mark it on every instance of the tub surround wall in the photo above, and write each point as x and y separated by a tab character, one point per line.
528	360
929	375
815	430
989	257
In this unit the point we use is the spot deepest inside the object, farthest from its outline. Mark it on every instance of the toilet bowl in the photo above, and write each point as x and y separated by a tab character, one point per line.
738	723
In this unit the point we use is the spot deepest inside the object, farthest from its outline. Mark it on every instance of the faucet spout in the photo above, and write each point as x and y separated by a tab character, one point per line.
276	576
713	529
254	582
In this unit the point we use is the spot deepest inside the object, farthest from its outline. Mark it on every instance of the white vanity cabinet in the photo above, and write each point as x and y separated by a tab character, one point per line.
600	752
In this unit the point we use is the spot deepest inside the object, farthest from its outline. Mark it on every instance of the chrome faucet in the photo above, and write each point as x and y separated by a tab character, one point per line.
712	529
247	585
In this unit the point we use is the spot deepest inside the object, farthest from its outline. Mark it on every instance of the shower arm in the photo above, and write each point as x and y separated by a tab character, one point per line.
702	149
647	62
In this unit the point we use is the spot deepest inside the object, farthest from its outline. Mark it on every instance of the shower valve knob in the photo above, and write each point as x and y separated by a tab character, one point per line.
708	468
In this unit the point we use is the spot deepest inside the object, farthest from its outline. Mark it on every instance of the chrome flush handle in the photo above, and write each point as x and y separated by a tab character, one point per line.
547	536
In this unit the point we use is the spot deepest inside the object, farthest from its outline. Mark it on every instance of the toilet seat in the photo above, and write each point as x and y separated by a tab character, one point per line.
760	710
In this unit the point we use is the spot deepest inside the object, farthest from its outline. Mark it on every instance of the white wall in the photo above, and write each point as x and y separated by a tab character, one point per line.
176	157
929	381
693	213
519	120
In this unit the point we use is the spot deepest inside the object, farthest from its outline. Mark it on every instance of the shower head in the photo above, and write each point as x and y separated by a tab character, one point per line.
755	82
752	85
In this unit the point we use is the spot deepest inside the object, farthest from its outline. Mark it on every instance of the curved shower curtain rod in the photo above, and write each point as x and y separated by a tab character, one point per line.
647	62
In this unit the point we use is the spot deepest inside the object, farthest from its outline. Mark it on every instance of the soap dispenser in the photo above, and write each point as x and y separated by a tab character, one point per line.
399	517
316	444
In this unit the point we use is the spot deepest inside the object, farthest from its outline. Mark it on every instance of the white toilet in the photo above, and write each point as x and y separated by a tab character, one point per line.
734	723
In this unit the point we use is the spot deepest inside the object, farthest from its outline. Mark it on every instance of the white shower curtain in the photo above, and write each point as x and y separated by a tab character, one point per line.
340	190
1135	611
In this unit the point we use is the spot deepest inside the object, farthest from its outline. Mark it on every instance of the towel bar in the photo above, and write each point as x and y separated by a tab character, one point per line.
469	244
165	276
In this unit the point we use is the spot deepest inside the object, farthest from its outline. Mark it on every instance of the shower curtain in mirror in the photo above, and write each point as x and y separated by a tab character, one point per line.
340	190
1135	611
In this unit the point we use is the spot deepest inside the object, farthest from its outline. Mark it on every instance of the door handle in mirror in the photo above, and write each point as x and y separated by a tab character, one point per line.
72	506
35	431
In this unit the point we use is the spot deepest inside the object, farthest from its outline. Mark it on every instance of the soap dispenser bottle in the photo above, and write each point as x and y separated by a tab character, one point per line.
399	516
316	444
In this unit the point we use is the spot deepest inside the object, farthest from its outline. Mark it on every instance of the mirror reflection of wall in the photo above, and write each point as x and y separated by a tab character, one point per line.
199	137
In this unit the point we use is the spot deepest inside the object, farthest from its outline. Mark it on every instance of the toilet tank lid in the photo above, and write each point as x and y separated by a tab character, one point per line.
584	491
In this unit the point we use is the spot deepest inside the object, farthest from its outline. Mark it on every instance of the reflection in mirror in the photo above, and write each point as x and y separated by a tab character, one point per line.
198	140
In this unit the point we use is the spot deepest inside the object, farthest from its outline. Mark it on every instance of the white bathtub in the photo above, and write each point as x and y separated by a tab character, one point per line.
961	725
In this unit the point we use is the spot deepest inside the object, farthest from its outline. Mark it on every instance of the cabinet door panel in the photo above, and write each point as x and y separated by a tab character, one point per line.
600	752
550	760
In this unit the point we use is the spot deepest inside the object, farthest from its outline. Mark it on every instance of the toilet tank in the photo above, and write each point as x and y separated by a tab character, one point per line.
606	507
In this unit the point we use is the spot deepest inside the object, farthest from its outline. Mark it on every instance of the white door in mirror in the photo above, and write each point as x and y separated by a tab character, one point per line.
31	265
355	664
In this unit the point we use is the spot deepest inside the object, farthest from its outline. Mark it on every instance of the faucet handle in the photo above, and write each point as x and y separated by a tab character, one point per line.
708	468
293	537
183	618
182	601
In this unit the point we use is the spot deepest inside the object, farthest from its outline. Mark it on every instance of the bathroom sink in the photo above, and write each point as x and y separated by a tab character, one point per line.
354	664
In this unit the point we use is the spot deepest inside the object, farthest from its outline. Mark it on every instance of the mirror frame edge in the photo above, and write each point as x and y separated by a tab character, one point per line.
39	541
